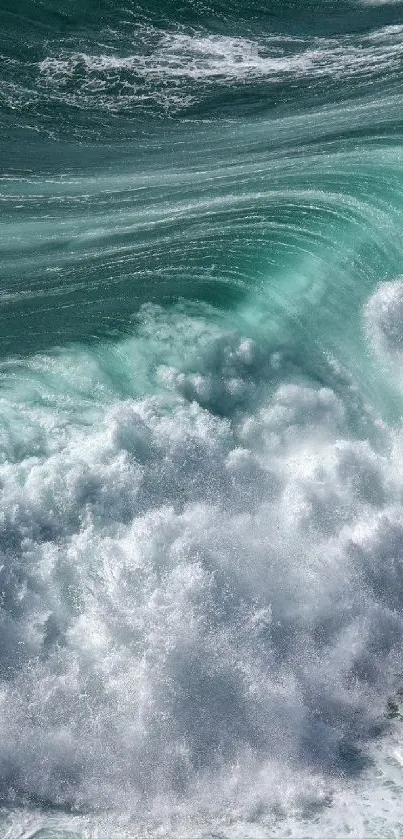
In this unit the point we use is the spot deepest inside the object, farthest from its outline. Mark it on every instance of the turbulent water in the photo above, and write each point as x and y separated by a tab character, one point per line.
201	385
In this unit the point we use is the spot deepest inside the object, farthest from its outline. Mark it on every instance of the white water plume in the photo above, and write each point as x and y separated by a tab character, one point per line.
189	586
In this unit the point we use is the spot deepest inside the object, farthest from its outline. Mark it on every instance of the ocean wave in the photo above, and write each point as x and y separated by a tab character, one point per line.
201	519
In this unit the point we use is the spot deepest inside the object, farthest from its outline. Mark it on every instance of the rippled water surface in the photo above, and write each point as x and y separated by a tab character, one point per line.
201	442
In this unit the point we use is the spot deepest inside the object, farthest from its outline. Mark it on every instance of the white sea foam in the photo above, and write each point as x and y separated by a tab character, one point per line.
384	323
210	57
384	314
177	68
380	2
201	590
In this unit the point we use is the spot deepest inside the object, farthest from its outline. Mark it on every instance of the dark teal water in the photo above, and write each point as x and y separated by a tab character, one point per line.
201	332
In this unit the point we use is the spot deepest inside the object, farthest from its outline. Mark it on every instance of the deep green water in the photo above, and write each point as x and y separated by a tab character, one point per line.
201	356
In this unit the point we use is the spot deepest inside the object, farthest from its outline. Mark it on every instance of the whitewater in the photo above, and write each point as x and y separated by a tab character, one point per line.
201	438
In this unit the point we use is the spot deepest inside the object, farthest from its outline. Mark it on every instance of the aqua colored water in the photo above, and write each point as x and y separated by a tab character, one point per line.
201	385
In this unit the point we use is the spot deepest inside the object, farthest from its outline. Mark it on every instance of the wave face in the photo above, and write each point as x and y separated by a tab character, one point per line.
201	335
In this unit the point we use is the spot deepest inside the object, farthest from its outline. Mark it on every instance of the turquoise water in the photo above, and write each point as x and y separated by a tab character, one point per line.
201	338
